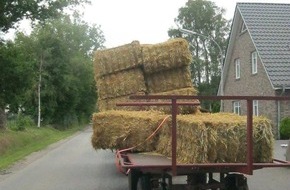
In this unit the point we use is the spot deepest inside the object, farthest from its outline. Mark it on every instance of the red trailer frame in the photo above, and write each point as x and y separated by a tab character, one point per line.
137	165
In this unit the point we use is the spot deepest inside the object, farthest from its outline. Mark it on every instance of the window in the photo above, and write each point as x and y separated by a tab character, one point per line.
238	68
255	108
254	62
237	107
243	28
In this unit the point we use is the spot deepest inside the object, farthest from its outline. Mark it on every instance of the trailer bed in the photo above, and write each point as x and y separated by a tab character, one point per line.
151	162
151	171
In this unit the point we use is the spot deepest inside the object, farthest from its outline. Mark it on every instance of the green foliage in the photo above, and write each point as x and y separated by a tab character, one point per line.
61	53
20	60
211	89
13	11
20	122
16	75
208	44
285	128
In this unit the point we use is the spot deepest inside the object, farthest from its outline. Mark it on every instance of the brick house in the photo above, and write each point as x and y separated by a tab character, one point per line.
257	60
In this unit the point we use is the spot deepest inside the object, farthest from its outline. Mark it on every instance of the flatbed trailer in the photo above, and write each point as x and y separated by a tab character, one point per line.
156	172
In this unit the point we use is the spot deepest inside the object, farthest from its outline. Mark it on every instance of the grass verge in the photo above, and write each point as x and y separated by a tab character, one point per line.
15	145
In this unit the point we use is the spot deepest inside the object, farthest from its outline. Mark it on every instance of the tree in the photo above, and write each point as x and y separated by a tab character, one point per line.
206	19
12	11
63	52
16	78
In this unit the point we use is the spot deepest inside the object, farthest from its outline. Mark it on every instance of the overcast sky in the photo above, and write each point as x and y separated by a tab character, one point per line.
147	21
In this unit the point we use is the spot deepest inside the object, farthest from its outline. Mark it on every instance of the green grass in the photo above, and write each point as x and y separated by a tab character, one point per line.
15	145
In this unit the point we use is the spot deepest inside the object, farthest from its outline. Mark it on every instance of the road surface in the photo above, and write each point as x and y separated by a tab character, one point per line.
71	165
74	165
272	178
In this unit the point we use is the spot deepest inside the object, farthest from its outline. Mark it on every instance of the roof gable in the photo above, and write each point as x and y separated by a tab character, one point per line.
269	27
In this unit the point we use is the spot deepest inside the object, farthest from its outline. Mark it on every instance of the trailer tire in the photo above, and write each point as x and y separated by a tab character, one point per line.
133	178
236	182
144	182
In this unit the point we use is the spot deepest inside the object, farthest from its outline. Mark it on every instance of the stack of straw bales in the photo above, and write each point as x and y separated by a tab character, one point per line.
143	69
201	138
163	69
118	74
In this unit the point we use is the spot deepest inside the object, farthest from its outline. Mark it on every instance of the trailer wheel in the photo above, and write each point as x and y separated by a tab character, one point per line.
144	182
236	182
133	178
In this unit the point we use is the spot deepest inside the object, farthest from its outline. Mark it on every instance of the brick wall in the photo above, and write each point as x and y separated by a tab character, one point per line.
249	84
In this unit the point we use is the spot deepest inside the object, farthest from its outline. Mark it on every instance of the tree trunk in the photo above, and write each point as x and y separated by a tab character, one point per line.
39	89
2	119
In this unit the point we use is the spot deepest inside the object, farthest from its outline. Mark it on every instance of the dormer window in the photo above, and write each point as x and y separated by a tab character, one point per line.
243	28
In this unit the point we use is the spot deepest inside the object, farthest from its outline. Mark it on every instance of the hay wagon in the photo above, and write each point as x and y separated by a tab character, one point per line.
153	172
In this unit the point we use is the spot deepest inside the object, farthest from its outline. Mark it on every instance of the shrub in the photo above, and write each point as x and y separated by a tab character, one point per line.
21	122
285	128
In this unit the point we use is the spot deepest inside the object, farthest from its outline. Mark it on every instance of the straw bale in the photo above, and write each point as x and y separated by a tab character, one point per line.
191	141
173	53
121	83
263	141
110	104
201	138
116	59
217	137
169	80
191	91
125	129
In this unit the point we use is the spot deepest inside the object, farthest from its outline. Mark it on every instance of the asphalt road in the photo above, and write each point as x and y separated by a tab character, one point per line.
70	165
272	178
74	165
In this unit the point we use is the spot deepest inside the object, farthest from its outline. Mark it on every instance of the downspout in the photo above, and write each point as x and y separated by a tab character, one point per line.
279	111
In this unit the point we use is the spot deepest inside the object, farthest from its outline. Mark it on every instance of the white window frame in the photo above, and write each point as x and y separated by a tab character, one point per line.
237	107
238	68
243	27
254	62
255	107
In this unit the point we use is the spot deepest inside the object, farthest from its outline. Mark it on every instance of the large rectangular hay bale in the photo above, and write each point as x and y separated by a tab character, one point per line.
192	141
117	59
168	80
201	138
220	137
189	91
125	129
229	141
121	83
111	104
171	54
